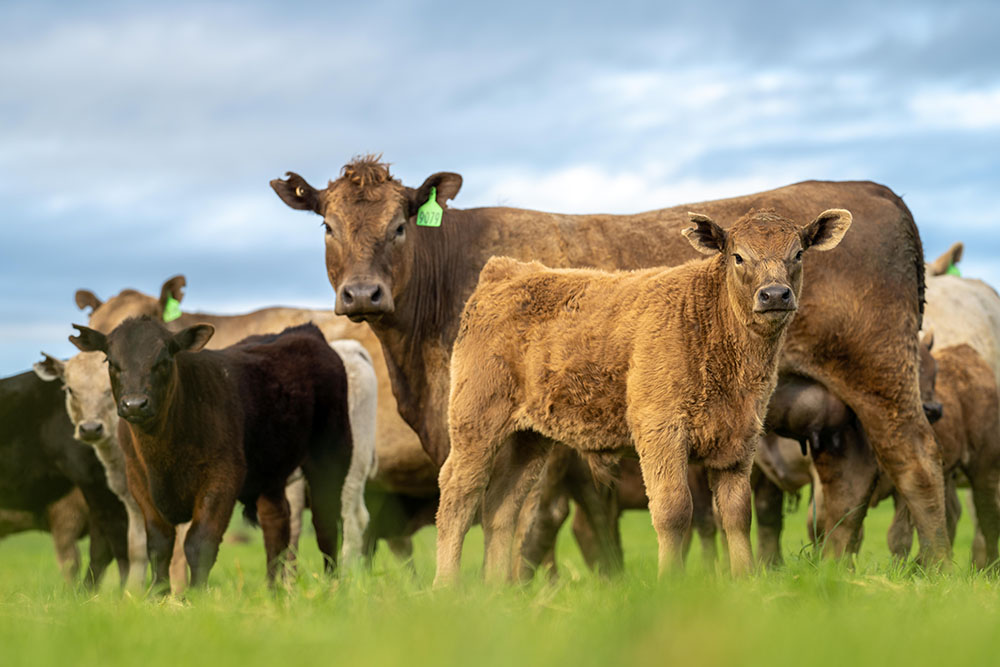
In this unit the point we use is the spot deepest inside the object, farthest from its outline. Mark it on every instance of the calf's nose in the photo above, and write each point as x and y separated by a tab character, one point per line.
774	297
91	430
934	410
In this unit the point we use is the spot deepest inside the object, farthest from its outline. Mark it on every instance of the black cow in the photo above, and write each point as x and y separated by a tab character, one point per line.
201	429
40	463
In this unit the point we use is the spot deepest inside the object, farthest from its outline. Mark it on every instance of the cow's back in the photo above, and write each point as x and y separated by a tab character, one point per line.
35	435
965	311
293	391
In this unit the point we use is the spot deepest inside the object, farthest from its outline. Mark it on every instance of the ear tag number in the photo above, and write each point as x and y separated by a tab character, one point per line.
171	309
429	215
953	271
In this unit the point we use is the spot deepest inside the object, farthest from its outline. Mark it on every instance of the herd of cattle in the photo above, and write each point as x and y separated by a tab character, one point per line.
504	363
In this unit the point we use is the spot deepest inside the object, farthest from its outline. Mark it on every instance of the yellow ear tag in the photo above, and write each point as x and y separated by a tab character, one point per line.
430	214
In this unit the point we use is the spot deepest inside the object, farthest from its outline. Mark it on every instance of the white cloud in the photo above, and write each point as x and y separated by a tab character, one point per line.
965	110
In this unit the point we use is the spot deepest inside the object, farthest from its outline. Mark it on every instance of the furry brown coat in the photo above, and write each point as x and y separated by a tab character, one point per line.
678	363
856	331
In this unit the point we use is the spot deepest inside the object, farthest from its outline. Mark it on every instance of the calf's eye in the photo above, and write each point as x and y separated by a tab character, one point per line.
798	256
737	259
400	230
326	228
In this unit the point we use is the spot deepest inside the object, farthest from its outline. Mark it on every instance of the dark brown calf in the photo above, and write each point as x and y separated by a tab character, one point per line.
201	431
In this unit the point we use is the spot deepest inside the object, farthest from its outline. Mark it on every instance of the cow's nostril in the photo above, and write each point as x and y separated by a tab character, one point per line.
347	296
786	295
377	294
764	296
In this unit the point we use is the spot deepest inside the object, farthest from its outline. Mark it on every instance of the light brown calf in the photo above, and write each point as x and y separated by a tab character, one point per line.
678	363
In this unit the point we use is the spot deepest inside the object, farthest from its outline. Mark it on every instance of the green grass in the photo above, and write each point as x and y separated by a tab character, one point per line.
811	612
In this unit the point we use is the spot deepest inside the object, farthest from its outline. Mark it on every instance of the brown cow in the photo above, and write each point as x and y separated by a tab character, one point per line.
678	363
68	521
201	431
858	338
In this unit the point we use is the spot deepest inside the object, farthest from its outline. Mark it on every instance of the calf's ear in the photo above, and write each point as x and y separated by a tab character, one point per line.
927	340
447	184
826	231
85	298
191	339
298	194
172	287
49	368
705	236
89	340
951	256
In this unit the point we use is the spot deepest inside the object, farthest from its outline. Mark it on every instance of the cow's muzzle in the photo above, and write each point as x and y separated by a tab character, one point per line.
90	431
933	410
364	301
135	408
774	298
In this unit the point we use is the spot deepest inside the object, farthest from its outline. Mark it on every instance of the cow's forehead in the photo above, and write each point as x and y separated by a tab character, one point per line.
765	232
127	303
137	339
86	371
364	209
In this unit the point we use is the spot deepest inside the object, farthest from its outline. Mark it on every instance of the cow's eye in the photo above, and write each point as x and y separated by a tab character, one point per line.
326	227
798	256
401	230
737	259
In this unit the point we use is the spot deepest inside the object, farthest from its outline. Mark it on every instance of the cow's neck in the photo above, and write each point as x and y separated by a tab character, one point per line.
417	339
757	355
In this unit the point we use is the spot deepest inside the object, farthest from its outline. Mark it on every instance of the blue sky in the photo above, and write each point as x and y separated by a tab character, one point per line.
137	140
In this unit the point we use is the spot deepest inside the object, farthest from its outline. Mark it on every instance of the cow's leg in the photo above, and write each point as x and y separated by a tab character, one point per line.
463	477
213	509
178	560
67	519
848	474
542	516
295	493
900	536
768	499
904	444
702	514
273	512
598	502
952	508
159	544
137	554
325	475
516	471
100	556
731	488
984	479
663	458
353	511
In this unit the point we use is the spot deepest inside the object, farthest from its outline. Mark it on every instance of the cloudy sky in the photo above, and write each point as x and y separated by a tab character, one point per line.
137	140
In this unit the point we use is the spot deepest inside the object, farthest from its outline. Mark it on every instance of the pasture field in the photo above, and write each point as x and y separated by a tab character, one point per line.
811	612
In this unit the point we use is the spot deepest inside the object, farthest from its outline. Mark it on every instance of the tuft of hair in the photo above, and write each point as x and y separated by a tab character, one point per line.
366	173
603	467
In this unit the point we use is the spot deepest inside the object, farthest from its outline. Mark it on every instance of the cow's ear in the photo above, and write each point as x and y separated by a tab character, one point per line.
951	256
85	298
927	340
705	236
447	184
826	231
172	288
49	368
191	339
298	194
89	340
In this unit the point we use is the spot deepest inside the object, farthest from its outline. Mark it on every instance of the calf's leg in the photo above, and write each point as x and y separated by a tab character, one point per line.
213	509
702	514
768	499
731	488
273	513
985	479
663	458
516	471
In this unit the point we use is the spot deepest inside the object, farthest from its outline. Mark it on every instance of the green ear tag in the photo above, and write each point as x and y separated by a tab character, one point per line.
429	215
171	310
952	270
